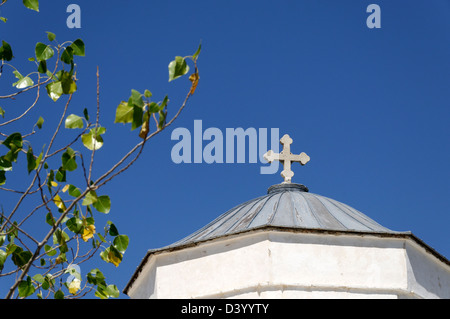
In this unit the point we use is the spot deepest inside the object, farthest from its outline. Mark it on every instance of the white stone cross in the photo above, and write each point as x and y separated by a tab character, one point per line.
286	157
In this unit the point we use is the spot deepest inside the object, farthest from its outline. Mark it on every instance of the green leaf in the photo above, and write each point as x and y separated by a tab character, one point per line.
54	90
58	295
63	249
43	52
75	225
51	36
101	237
103	204
26	288
96	277
177	68
50	179
6	51
136	98
164	102
90	198
113	229
50	251
13	141
73	191
74	121
42	68
162	119
153	107
2	178
13	232
89	220
68	84
137	117
78	47
2	112
85	113
48	282
5	165
195	56
49	219
104	254
124	113
40	122
39	158
68	160
105	292
51	75
39	278
60	237
121	243
93	139
17	75
31	162
2	258
147	94
101	293
112	291
32	4
10	248
23	82
11	156
61	175
67	55
21	257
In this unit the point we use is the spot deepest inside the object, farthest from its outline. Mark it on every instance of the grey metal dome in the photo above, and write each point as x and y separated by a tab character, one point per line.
287	206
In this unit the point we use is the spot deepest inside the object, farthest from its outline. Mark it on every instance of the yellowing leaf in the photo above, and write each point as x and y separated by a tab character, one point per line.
74	286
59	202
65	188
114	258
88	232
144	130
54	184
194	79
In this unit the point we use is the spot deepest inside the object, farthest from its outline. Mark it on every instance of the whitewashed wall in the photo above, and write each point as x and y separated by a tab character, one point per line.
275	264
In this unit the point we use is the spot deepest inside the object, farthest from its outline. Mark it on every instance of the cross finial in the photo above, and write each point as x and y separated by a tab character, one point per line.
286	157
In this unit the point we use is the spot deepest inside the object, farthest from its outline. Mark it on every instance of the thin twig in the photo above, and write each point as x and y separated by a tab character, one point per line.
27	110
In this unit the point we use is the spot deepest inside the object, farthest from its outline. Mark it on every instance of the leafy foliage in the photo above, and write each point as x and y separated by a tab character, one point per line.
6	51
31	4
68	208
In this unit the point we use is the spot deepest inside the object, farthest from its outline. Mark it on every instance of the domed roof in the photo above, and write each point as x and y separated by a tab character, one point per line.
287	206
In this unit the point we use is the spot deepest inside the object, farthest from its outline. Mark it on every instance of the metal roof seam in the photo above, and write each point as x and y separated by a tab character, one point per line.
313	213
269	222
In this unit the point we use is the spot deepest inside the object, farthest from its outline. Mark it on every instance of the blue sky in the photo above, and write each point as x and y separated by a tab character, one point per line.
369	106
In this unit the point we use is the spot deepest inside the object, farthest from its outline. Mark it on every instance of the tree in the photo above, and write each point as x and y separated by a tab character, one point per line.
38	261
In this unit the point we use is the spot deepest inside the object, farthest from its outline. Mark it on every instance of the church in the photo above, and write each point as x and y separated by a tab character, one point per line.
290	243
